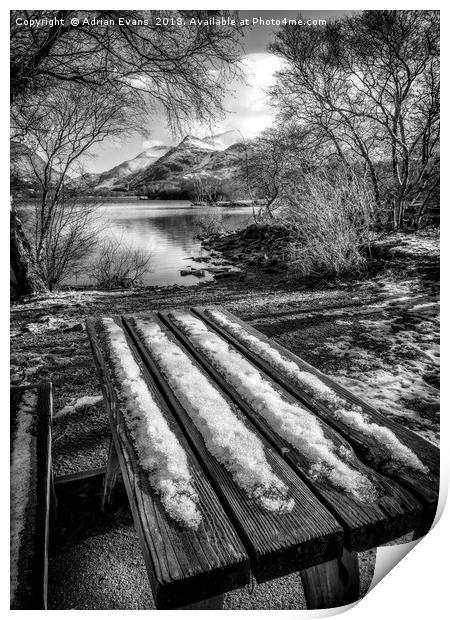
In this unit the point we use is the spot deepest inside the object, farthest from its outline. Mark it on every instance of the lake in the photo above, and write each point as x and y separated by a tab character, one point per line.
165	229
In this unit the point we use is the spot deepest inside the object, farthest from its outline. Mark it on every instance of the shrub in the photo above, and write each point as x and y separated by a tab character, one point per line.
119	266
332	216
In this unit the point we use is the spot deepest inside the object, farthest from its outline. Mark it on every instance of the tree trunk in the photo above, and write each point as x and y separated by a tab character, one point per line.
28	278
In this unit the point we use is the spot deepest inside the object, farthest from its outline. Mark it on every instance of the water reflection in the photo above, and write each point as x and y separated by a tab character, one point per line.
166	229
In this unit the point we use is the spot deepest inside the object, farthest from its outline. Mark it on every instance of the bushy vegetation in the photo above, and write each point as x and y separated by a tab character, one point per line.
119	266
332	216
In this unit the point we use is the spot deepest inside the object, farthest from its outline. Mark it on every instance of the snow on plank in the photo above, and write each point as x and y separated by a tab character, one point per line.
372	508
30	453
191	549
283	525
384	445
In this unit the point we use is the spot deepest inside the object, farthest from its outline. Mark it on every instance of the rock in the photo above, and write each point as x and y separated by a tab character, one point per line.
225	274
78	327
198	273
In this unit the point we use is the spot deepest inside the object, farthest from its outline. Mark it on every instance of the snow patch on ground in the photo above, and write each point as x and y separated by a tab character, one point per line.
160	453
391	454
416	247
21	374
389	391
67	298
392	362
20	475
290	420
228	439
51	323
78	404
25	367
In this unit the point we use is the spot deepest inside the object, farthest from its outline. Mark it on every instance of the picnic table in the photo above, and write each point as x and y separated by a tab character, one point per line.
240	458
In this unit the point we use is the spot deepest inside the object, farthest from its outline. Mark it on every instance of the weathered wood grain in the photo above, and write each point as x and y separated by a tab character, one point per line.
184	565
333	583
424	485
393	512
277	544
31	592
112	469
44	489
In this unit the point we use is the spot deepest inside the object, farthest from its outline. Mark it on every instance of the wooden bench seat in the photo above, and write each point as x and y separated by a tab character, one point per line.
31	491
423	484
367	523
277	543
328	520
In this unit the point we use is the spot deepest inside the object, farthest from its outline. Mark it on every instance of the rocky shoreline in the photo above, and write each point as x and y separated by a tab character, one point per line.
261	246
268	248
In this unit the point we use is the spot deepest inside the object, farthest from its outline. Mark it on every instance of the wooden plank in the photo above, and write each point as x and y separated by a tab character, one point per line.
184	565
112	470
424	485
392	513
277	543
32	578
44	490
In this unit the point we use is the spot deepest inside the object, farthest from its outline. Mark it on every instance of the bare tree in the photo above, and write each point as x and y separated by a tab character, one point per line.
368	86
273	163
74	120
181	69
71	239
183	65
28	278
206	189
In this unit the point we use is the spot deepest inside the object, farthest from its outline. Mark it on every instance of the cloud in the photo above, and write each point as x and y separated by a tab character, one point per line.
248	105
260	69
148	144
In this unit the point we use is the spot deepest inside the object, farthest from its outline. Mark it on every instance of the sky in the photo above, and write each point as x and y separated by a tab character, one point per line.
247	108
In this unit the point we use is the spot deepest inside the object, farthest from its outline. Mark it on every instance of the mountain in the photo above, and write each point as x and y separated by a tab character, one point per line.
24	164
222	141
117	177
160	171
221	165
213	156
171	167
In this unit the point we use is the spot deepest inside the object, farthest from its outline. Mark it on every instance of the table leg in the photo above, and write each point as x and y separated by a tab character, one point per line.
332	584
215	602
112	469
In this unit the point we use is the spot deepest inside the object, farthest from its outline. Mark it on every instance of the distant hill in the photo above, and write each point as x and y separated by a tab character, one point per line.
214	157
117	177
23	162
160	171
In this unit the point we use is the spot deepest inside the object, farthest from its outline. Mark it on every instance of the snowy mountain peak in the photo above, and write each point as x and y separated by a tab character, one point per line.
191	141
222	141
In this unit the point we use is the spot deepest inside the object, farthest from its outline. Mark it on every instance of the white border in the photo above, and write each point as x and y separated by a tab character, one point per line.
417	587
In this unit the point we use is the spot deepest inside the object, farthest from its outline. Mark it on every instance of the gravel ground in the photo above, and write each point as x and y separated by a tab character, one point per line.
78	579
